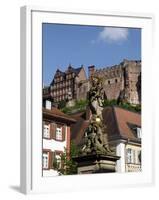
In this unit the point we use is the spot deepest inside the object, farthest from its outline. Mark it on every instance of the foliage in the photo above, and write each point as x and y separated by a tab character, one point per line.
80	105
128	106
69	165
110	102
62	104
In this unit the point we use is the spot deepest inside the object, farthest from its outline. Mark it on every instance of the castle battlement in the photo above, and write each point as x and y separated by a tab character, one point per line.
124	77
116	70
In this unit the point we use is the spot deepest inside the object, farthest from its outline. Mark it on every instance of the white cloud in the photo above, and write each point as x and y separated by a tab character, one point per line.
113	34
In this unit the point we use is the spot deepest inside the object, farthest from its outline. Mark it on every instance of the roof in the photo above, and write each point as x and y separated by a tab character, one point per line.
78	115
69	69
117	121
72	69
77	131
55	113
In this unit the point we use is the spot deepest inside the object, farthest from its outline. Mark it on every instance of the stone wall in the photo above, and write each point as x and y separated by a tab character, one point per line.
124	78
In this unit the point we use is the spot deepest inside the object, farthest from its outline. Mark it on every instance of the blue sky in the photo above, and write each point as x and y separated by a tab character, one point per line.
87	45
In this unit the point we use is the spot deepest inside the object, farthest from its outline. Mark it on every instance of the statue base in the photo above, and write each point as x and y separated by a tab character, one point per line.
96	163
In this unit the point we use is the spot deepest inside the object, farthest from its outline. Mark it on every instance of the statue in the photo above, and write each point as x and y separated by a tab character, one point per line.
95	135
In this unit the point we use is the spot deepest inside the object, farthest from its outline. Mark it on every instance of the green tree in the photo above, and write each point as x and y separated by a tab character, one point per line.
69	166
62	104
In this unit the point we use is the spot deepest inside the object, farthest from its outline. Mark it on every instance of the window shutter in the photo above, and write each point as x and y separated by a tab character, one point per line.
63	132
139	157
62	161
53	159
53	130
50	160
134	156
43	129
127	156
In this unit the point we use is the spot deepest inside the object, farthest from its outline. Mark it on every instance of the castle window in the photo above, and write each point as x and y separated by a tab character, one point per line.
116	80
109	82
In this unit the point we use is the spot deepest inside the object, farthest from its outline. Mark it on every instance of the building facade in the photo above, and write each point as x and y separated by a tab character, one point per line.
64	84
56	139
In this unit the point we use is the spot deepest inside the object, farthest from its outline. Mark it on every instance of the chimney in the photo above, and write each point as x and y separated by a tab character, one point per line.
91	70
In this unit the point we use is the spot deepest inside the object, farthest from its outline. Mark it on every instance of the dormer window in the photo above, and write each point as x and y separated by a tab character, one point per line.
48	104
136	130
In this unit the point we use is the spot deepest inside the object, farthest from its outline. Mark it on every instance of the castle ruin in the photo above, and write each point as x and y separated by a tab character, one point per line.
121	82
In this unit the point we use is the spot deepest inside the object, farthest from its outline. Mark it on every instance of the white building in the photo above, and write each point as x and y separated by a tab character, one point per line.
124	133
56	138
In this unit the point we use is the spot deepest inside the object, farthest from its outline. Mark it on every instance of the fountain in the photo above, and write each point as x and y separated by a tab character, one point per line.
95	155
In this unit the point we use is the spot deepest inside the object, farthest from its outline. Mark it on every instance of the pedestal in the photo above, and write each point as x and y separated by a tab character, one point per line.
96	163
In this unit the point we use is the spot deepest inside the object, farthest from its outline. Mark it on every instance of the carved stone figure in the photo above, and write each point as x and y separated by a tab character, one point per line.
95	135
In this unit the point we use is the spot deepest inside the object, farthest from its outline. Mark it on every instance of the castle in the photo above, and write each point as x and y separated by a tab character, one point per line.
121	82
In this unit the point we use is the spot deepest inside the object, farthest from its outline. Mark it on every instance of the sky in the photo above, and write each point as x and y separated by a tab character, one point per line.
86	45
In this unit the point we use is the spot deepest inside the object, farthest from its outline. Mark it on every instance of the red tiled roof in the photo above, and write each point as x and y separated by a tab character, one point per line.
123	117
77	131
78	116
56	113
116	120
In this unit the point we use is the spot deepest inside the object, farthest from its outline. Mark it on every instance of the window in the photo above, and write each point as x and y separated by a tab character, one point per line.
130	155
45	160
108	82
138	132
46	131
116	80
59	133
58	161
48	104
